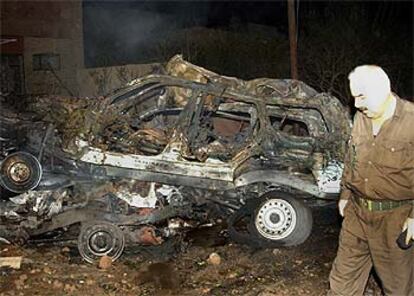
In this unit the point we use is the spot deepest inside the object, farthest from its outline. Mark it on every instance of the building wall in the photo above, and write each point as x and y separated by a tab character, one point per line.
47	27
56	27
50	19
62	81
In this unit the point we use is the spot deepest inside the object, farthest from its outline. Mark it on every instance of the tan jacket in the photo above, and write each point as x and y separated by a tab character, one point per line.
381	167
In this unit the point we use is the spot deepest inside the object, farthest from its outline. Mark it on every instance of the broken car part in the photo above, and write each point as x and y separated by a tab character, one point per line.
188	144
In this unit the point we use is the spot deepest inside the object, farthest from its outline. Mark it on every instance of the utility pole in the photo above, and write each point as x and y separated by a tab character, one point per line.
292	40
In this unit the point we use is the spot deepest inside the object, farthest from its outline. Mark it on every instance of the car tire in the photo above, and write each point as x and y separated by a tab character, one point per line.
20	172
268	224
279	219
99	238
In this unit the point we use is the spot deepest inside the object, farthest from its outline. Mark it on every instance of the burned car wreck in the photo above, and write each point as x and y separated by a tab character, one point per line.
168	152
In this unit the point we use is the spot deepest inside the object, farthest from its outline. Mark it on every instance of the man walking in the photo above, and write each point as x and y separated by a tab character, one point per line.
377	198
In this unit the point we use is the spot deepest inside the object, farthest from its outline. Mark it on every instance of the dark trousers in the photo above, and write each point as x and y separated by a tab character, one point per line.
368	239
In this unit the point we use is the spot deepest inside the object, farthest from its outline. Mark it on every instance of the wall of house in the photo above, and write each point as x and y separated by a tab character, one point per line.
47	27
50	19
61	81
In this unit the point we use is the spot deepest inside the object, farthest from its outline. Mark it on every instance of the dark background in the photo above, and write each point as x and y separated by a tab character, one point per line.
250	39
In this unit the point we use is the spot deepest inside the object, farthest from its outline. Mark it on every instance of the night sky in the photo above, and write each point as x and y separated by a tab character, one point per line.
133	24
111	27
129	32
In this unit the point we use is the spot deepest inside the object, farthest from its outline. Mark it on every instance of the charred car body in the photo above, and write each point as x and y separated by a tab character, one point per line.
169	151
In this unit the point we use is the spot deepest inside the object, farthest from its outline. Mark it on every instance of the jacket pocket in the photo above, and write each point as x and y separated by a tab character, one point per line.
392	154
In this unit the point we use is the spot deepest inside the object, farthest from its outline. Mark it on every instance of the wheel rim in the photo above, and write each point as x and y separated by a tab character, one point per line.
275	219
100	239
20	172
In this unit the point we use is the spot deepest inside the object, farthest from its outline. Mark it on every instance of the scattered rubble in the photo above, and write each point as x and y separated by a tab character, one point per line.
105	262
12	262
214	259
244	272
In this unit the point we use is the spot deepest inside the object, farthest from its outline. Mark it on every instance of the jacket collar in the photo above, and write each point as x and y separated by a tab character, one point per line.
398	107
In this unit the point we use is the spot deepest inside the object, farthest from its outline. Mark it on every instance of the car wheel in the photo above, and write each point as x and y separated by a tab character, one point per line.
20	172
97	239
280	220
275	219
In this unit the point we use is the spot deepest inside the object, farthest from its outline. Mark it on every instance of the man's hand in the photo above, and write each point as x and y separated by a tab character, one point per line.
409	225
341	206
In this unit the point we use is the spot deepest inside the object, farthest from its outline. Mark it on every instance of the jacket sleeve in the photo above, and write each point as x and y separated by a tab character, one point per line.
348	159
411	176
346	175
412	182
411	215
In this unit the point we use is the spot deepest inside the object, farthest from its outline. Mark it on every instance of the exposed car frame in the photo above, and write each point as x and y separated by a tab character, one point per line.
288	150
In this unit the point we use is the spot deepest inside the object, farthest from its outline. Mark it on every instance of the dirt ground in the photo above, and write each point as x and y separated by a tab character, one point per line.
302	270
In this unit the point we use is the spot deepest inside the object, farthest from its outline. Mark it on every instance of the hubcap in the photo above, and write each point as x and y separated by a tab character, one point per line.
101	242
99	239
19	172
275	219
